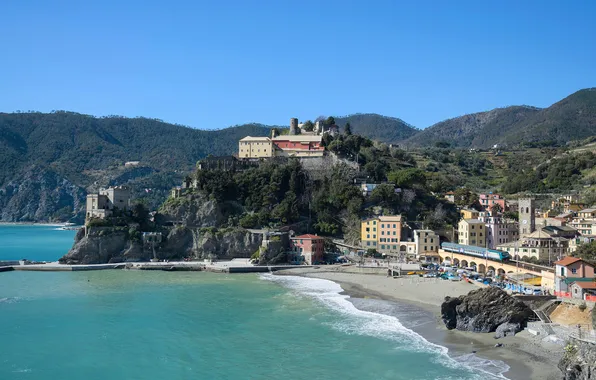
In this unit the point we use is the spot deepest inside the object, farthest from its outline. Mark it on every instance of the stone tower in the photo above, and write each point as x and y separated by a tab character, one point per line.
527	219
293	126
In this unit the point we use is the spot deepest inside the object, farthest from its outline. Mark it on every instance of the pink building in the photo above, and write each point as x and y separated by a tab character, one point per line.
499	230
489	200
310	247
569	270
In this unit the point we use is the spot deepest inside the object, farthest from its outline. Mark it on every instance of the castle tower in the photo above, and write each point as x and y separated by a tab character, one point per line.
527	218
293	126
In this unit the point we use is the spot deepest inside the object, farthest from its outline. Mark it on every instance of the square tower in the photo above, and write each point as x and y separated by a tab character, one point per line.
527	219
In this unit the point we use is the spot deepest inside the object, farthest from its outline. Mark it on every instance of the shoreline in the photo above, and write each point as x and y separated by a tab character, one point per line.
526	355
46	224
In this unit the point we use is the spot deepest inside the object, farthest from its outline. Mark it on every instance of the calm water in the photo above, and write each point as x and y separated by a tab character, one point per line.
34	242
187	325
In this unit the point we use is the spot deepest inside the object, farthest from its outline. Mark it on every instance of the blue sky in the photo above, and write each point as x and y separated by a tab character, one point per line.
211	64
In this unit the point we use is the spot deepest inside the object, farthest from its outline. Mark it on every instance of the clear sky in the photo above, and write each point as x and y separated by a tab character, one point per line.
211	64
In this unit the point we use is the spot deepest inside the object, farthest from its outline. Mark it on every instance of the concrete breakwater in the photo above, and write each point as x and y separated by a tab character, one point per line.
218	267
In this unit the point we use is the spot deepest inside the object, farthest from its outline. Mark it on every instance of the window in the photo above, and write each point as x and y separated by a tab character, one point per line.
374	222
367	229
431	240
425	240
382	232
374	228
368	236
382	226
394	233
573	270
383	246
395	247
425	248
394	226
368	243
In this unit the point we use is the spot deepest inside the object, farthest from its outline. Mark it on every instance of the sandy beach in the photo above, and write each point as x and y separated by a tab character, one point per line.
527	356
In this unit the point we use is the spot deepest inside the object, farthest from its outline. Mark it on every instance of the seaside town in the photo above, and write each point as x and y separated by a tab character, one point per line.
296	190
529	248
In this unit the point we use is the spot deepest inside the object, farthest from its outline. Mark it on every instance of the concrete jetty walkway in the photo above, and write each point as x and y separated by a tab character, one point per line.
233	266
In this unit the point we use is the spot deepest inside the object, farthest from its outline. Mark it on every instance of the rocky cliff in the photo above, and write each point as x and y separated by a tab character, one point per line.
40	195
486	310
579	361
117	244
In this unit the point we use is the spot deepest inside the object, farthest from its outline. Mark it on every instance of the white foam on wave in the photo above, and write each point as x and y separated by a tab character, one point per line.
382	326
10	299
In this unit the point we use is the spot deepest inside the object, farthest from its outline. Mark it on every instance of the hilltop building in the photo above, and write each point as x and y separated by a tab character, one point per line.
297	143
104	203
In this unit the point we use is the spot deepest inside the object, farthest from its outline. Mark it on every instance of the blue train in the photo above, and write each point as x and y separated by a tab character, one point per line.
471	250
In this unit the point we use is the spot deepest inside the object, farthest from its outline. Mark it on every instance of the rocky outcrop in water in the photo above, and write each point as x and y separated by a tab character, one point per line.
579	361
486	310
117	244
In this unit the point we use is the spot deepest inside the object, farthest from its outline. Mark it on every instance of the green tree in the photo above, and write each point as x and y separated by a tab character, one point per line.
308	126
407	177
587	251
348	129
496	209
330	121
464	197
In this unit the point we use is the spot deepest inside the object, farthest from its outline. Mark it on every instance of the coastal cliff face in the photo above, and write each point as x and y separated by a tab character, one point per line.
40	195
486	310
197	210
117	244
579	361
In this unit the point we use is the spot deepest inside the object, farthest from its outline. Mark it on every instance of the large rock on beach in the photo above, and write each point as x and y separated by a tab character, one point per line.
486	310
579	360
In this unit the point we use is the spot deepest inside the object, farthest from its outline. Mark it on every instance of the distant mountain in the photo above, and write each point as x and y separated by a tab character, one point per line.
58	156
378	127
572	118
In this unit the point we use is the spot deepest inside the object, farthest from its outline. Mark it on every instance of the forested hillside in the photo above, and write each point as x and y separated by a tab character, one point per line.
573	118
67	154
377	127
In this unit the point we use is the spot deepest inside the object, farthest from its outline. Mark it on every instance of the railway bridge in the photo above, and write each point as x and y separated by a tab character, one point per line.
501	268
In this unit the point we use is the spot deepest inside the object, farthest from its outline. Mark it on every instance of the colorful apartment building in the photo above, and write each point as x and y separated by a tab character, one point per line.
469	214
382	233
310	247
571	270
472	232
499	230
489	200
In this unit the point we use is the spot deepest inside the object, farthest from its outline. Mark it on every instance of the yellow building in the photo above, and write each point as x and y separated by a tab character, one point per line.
255	147
382	233
469	214
472	232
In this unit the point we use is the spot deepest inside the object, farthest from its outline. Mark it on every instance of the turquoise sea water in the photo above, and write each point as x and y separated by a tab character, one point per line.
34	242
119	324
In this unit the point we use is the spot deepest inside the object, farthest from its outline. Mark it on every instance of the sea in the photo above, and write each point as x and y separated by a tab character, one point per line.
126	324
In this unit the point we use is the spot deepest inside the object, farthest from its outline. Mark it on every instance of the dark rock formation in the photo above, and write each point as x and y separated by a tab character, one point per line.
579	361
486	310
114	244
197	210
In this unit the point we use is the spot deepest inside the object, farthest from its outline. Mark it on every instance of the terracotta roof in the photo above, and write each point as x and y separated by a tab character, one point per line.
567	261
307	236
586	285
